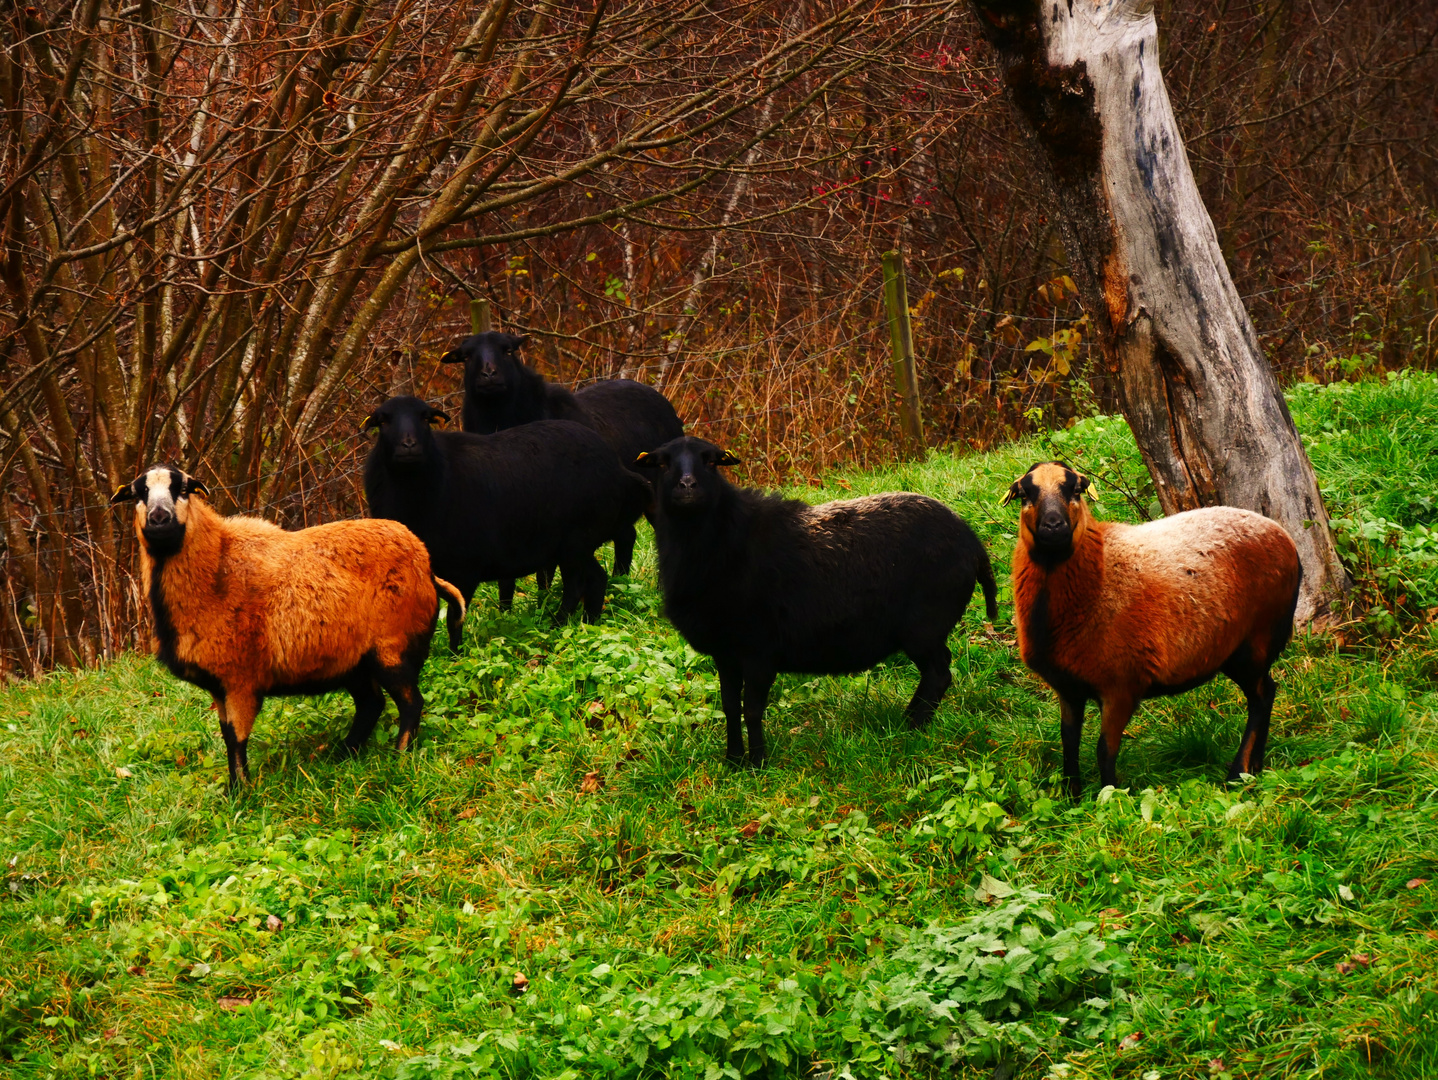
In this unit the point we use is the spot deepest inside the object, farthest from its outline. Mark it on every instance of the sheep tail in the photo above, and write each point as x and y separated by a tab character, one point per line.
986	582
440	583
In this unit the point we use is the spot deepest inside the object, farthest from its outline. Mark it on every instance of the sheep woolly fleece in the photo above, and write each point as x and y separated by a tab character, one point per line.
1165	602
255	605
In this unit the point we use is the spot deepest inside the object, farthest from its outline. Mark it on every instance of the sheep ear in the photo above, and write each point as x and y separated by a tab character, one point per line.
727	458
126	493
195	487
1082	484
647	460
454	356
521	341
1014	492
370	422
436	414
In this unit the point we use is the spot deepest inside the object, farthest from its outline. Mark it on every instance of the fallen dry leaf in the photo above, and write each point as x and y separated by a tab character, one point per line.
467	813
521	982
1362	958
123	773
136	970
1111	912
1128	1042
1215	1065
273	923
591	783
595	707
230	1004
1417	883
749	830
1344	967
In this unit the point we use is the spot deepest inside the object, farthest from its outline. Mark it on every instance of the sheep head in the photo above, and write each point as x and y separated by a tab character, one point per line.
491	362
162	506
404	428
1054	517
688	468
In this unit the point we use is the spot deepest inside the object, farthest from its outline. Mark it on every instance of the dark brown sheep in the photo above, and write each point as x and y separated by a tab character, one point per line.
1119	613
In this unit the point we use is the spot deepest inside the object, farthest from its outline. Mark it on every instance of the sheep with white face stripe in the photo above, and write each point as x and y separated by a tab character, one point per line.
245	610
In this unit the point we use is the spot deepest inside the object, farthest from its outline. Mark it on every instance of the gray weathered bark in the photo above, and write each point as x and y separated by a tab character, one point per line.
1205	408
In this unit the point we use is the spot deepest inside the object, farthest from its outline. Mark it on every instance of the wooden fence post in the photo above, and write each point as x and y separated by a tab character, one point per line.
901	340
479	316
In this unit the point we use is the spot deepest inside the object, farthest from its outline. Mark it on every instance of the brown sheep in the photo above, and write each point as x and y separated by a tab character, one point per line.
1119	613
246	610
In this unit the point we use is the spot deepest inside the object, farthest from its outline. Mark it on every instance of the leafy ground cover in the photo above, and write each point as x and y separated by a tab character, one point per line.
564	879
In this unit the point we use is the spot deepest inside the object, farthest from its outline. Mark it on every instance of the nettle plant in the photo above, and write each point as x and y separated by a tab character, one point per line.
970	990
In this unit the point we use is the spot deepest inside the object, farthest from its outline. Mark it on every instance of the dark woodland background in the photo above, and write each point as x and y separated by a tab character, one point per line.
230	229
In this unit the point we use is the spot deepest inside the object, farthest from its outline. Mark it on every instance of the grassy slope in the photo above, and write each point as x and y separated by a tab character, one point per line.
568	817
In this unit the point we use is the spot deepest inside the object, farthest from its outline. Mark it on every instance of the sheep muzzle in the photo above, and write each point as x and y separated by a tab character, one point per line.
408	453
1053	533
488	381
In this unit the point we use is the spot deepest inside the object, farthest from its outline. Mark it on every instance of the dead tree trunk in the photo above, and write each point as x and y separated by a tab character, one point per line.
1083	77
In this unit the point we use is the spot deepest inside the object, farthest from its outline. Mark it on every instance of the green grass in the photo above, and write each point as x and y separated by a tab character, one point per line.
875	903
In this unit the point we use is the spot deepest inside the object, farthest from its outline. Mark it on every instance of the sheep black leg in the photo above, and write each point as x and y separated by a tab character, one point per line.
1116	715
595	581
731	692
1260	691
575	574
624	550
757	683
934	683
506	593
1071	731
237	720
404	688
454	625
235	752
369	703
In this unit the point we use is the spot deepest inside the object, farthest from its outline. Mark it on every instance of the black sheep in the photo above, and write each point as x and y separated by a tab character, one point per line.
764	584
503	505
501	392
